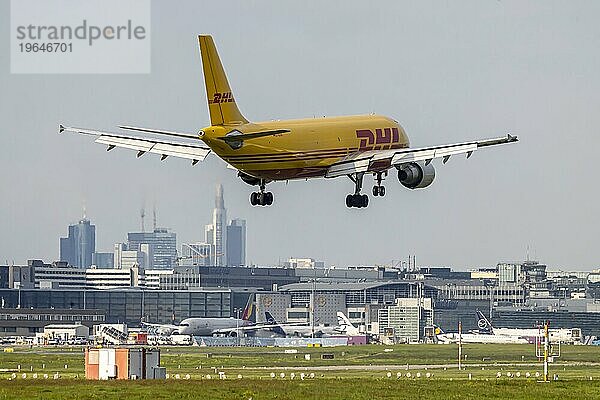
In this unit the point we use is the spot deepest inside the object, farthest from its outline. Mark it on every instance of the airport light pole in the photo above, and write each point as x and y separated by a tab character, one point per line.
490	285
546	351
459	345
312	310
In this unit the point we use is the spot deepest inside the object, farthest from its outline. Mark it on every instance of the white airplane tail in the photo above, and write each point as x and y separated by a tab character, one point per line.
345	326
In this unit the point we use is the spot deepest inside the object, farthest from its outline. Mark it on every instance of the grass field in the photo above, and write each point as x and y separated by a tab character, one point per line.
360	372
331	390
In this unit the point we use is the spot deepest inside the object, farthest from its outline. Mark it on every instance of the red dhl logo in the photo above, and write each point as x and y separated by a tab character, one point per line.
382	139
222	98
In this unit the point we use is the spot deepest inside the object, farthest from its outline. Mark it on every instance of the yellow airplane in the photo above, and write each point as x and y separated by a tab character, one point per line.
280	150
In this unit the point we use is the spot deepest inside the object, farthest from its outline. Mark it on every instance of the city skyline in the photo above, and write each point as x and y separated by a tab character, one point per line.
158	248
397	262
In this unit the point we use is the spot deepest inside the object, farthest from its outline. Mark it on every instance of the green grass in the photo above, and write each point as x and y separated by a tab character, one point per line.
358	372
316	389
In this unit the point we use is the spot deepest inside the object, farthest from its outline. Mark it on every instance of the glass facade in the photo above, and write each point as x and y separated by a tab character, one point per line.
127	306
78	247
164	246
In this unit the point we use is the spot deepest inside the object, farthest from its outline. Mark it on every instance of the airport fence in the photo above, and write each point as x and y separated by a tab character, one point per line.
269	342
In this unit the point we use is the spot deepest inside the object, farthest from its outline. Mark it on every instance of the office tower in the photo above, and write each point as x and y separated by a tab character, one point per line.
163	246
124	258
78	247
216	233
103	260
236	242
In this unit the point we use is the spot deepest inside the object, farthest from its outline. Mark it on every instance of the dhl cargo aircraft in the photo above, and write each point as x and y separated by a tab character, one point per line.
264	152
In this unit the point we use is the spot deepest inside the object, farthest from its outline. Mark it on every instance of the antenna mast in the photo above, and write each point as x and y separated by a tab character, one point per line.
154	217
142	215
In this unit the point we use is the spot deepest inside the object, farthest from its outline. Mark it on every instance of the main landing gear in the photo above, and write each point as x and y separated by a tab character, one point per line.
379	189
357	200
261	198
362	200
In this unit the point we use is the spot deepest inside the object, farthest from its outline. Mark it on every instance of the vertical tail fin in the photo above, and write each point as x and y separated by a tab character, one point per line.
484	324
221	104
276	328
248	310
345	325
343	320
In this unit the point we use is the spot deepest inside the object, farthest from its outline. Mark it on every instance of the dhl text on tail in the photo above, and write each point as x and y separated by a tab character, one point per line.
263	152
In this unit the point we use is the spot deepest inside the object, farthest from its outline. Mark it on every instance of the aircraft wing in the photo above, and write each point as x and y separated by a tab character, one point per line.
147	144
377	160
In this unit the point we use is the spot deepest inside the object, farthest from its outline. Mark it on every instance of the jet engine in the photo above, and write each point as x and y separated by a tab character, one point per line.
416	175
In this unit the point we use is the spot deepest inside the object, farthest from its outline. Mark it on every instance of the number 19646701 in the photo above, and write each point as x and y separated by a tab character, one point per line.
51	47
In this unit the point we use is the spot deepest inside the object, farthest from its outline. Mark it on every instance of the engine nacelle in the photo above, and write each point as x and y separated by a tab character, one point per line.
416	175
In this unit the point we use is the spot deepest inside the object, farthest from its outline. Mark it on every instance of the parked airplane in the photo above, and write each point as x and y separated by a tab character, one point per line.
281	150
487	333
344	327
453	337
211	326
564	335
203	326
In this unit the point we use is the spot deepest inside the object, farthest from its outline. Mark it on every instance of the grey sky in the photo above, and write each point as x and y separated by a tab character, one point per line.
448	71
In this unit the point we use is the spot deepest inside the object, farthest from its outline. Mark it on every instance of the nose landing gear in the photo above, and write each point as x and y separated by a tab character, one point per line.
379	189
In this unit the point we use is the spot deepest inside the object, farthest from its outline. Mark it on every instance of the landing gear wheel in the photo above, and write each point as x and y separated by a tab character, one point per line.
364	200
357	200
261	198
268	198
379	190
349	201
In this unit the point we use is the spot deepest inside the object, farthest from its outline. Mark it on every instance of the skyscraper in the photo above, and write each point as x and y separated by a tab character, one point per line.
236	242
78	247
216	233
163	245
227	242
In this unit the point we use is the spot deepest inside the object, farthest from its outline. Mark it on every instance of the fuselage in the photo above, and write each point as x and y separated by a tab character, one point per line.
485	339
308	331
310	147
209	326
564	335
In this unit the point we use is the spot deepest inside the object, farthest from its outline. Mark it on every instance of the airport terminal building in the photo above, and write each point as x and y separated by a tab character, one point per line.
376	299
